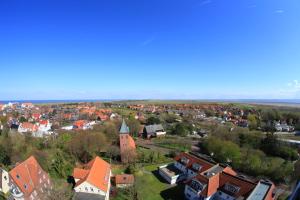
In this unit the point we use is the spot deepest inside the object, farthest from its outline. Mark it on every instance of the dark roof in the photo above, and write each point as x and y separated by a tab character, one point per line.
87	196
153	128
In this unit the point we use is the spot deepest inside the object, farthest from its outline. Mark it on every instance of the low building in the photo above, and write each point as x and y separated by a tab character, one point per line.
92	180
124	180
155	130
225	186
185	167
4	181
29	181
204	180
27	127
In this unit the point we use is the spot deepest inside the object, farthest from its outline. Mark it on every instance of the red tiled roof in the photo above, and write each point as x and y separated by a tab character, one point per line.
245	186
124	179
79	123
44	122
205	165
28	176
29	126
96	172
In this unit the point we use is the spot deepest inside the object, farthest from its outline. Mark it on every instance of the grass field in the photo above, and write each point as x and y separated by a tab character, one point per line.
150	186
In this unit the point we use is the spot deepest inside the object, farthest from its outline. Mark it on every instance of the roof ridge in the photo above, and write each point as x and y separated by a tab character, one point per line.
238	177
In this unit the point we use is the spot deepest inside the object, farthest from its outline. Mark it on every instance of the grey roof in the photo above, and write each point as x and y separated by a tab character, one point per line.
124	128
259	191
87	196
153	128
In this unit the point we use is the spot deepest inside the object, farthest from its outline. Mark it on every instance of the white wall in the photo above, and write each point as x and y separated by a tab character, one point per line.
86	187
5	181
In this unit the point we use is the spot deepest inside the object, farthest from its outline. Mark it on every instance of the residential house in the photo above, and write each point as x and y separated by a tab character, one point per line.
27	127
44	128
36	116
29	181
155	130
220	185
204	180
4	181
124	180
92	180
27	105
185	166
83	125
127	144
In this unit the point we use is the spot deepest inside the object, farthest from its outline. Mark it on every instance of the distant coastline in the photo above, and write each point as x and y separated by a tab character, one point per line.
275	102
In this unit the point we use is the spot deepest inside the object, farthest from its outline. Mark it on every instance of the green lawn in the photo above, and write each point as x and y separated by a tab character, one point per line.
151	187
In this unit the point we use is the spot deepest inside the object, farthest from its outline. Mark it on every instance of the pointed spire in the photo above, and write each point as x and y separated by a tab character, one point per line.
124	128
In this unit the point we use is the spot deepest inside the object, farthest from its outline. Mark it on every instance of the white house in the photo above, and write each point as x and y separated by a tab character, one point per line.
93	180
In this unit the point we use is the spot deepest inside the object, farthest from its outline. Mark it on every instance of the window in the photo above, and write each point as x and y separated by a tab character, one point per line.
25	186
86	189
184	160
231	188
196	166
92	189
18	177
196	185
5	178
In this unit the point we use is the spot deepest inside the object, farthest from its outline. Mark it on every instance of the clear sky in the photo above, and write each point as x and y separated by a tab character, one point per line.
162	49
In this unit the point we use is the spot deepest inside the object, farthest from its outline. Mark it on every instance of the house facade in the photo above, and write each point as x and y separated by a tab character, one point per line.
92	180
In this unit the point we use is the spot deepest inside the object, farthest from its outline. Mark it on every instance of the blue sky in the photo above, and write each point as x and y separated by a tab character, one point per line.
161	49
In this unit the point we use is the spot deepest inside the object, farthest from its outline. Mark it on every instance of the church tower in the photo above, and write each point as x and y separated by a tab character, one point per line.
127	144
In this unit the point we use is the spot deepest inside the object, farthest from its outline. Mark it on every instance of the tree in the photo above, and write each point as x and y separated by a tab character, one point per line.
59	166
22	119
223	151
134	126
61	191
153	120
253	124
180	129
4	156
85	145
113	152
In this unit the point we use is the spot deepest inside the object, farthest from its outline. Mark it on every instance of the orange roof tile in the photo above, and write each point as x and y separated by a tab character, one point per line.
205	165
27	176
96	172
124	179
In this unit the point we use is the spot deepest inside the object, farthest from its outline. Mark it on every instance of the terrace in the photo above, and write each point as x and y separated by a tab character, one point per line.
170	173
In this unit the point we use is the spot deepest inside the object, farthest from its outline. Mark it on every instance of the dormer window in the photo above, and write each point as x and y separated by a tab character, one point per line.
184	160
18	177
25	186
231	188
196	166
197	186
